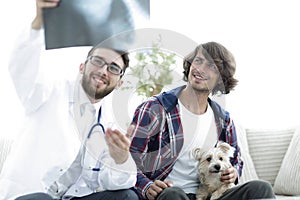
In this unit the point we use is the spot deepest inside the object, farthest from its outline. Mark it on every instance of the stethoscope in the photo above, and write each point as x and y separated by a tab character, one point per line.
97	124
88	137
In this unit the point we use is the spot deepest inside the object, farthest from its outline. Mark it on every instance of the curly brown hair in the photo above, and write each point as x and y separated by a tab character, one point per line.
223	59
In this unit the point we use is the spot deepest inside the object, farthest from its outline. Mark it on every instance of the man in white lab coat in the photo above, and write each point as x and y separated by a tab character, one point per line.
68	148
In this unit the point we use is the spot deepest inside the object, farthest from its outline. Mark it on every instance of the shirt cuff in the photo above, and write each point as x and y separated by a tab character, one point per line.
146	188
128	166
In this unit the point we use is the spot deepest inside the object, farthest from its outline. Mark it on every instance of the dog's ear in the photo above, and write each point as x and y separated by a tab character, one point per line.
197	153
226	148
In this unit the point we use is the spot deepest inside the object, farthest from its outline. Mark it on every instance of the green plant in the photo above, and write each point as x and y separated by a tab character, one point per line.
152	70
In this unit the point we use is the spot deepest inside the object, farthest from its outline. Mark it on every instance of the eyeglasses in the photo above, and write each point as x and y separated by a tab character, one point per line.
111	67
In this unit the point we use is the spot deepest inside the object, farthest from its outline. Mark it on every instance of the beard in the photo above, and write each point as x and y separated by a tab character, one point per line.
203	88
94	92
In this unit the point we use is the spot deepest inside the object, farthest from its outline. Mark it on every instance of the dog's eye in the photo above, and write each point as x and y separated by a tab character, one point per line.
208	159
221	158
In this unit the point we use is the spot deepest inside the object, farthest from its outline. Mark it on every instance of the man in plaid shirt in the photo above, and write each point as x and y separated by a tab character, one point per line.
168	126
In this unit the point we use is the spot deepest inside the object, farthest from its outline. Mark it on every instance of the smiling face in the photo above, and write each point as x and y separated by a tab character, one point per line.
97	81
224	61
203	74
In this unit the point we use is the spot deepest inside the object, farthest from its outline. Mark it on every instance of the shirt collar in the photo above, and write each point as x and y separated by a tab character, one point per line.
169	100
84	101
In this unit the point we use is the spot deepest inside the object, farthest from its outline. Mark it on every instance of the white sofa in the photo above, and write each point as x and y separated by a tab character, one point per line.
271	155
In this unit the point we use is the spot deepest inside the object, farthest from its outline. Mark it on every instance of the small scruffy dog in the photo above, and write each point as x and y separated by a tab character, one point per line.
212	163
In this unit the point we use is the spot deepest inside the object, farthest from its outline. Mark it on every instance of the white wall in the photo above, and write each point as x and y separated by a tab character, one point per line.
263	36
13	15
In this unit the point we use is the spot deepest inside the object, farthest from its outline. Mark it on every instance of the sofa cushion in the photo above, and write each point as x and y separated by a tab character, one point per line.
249	172
284	197
267	149
288	178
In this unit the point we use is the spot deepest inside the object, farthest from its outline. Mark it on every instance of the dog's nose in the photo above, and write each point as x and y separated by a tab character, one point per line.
217	167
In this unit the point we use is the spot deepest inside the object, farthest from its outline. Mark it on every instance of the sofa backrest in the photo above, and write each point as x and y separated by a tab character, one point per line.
267	149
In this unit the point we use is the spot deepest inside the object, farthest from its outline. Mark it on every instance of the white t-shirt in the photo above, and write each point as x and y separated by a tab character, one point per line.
199	131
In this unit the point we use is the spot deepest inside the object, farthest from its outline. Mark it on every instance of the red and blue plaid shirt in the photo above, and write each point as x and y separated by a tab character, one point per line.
158	137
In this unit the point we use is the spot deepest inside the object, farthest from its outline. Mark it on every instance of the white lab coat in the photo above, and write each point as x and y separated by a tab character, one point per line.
47	155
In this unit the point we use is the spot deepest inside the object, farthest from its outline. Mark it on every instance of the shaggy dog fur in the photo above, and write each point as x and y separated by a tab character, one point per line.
212	163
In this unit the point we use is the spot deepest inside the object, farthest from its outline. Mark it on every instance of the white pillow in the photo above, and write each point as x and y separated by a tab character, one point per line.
249	172
288	179
267	148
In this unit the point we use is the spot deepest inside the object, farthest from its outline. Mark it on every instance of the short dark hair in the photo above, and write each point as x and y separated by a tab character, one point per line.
123	54
222	58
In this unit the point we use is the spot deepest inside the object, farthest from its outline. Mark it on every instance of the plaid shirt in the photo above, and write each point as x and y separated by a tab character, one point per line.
158	137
